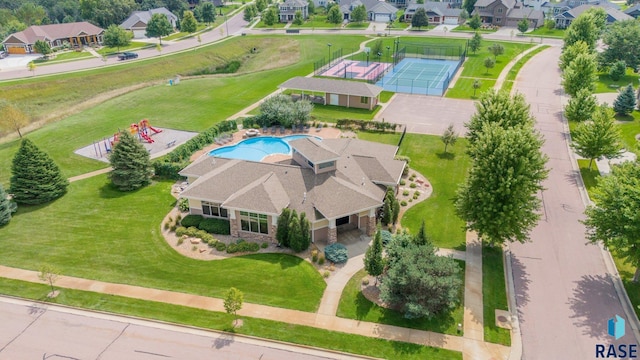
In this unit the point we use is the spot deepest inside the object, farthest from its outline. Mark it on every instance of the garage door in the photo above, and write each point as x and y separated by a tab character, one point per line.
450	20
16	50
139	34
382	18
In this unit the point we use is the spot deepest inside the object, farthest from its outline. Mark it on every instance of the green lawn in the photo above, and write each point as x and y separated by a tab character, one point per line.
385	96
385	138
494	294
278	25
65	56
134	45
353	25
544	32
463	88
96	232
589	176
466	28
274	330
507	86
445	172
317	21
353	305
629	130
605	84
332	113
474	66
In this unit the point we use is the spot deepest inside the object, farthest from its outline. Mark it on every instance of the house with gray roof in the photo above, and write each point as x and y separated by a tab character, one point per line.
289	8
507	13
338	183
378	11
76	34
564	19
337	92
556	8
633	11
438	13
138	20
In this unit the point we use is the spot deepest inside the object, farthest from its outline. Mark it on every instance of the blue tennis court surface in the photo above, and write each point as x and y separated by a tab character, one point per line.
420	76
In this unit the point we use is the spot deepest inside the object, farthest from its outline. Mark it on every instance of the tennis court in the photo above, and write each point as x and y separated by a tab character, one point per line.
420	76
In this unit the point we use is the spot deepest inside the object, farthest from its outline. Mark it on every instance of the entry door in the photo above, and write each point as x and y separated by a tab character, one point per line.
334	99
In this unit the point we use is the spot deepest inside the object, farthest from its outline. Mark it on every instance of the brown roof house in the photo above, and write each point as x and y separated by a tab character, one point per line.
507	13
337	92
338	183
76	34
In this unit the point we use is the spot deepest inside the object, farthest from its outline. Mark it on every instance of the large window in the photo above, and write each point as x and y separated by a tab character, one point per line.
212	209
364	99
253	222
326	164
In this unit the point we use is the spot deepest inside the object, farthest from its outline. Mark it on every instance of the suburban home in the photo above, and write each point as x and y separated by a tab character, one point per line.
337	92
137	22
438	13
378	11
556	8
76	34
320	3
564	19
633	11
507	13
289	8
338	183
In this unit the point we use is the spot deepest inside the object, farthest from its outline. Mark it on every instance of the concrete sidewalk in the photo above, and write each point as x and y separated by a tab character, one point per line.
472	349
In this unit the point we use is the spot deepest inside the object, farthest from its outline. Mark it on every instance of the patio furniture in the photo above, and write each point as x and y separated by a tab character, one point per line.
306	128
300	128
319	127
273	129
282	130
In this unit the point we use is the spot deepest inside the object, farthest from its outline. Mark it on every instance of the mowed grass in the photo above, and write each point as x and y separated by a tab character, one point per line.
544	32
296	334
474	66
589	176
98	233
629	131
606	85
385	138
463	88
354	305
134	45
64	57
494	294
445	172
332	113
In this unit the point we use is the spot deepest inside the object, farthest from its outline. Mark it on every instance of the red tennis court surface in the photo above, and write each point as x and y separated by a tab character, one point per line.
351	69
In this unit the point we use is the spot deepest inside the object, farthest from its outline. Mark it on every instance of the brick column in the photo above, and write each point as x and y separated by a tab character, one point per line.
371	226
333	235
234	227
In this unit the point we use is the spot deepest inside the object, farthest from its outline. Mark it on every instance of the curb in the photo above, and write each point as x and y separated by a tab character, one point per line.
516	336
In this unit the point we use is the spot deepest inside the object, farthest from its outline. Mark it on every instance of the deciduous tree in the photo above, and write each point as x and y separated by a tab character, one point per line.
359	14
570	52
498	199
613	220
496	50
582	28
334	15
523	25
158	26
132	168
250	12
117	37
489	63
297	18
580	74
476	85
49	274
42	47
475	22
261	5
208	12
468	5
419	18
270	16
475	42
233	302
581	107
12	118
623	43
599	137
189	23
449	137
626	101
35	179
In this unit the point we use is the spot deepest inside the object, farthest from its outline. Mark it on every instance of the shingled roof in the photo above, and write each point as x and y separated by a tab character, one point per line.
345	87
55	31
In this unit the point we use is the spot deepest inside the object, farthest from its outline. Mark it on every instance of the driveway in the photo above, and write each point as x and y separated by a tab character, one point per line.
428	114
564	293
17	61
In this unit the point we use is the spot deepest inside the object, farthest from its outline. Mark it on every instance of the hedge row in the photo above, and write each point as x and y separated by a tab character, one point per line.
215	226
366	125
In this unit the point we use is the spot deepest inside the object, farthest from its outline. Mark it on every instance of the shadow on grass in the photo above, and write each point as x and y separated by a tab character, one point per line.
109	191
405	348
363	306
446	155
284	260
626	118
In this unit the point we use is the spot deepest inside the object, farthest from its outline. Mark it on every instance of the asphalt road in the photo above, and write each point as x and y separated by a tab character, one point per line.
564	294
36	331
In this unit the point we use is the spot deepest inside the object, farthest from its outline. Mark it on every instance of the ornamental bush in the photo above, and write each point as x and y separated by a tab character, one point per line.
215	226
336	253
191	220
386	237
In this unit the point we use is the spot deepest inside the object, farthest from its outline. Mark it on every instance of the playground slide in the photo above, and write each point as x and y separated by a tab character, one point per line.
146	137
154	129
145	124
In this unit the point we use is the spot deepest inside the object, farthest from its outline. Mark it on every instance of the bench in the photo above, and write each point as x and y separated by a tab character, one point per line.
171	143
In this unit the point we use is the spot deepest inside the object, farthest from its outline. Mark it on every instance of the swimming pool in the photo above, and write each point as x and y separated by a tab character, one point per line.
255	149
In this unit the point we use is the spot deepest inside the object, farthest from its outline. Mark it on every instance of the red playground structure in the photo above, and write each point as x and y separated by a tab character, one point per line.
143	129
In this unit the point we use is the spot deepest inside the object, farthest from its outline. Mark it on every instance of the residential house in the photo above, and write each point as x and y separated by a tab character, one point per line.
378	11
138	20
556	8
437	12
321	3
507	13
338	183
337	92
289	8
564	19
76	34
633	11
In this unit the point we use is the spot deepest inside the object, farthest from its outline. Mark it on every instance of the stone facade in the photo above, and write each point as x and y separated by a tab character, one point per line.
371	226
234	227
333	236
248	235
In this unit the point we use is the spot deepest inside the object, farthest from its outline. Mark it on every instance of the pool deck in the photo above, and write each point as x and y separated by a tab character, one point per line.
325	133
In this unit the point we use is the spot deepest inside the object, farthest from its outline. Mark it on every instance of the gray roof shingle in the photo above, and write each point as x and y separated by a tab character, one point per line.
355	88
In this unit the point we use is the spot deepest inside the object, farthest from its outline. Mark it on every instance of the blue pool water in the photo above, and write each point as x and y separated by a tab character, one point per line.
255	149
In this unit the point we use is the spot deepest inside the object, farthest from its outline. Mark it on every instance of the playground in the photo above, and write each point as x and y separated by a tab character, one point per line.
158	141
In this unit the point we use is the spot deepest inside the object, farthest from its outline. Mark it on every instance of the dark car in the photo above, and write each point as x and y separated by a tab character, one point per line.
127	55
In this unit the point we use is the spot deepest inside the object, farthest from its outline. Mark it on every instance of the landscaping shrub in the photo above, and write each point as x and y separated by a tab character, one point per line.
192	231
402	182
220	246
264	245
180	241
314	255
403	203
243	246
365	281
413	185
363	125
320	259
232	248
183	205
416	193
209	239
181	231
326	274
215	226
405	193
191	220
336	253
228	68
386	237
173	227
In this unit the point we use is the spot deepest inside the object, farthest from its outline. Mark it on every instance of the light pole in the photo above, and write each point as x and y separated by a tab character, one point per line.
329	45
388	48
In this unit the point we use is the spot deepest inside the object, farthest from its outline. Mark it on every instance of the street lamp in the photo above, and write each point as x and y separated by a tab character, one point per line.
367	57
329	45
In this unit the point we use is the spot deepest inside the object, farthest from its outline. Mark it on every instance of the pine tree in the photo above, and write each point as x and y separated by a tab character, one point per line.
386	212
282	233
421	237
7	207
132	168
625	102
373	263
295	234
35	179
305	232
395	208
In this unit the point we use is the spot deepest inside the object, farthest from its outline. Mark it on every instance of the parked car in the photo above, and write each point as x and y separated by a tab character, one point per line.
3	54
127	55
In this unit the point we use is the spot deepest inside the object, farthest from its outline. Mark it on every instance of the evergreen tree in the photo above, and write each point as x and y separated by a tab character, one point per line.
305	233
132	168
475	42
295	234
373	263
581	107
618	70
35	179
7	207
282	233
597	138
421	237
395	208
387	214
626	101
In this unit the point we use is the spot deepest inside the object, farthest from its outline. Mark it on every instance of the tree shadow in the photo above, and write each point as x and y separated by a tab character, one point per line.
363	306
109	191
521	282
592	294
284	260
446	155
223	340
